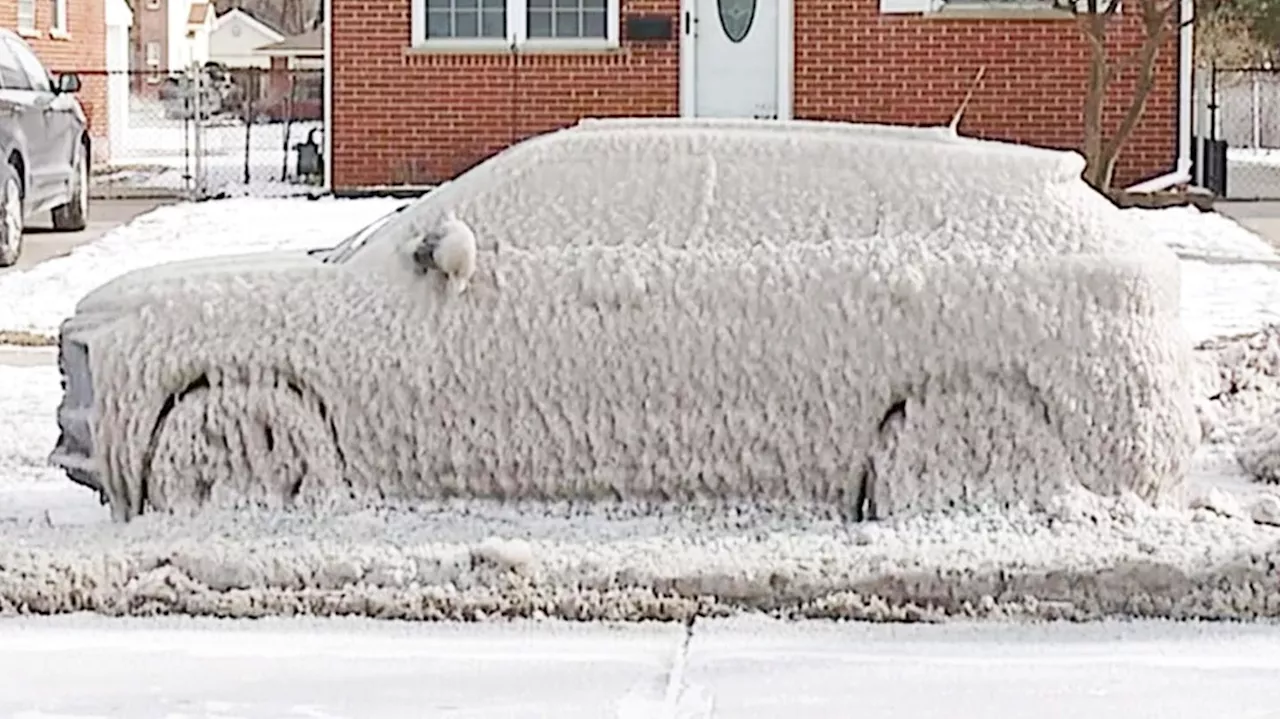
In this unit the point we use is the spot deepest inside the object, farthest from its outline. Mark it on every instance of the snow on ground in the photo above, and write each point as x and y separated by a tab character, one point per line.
1087	558
39	298
80	667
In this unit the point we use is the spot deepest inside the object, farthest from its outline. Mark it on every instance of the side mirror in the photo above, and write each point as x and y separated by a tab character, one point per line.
68	83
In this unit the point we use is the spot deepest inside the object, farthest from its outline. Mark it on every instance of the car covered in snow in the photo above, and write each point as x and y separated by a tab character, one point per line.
892	320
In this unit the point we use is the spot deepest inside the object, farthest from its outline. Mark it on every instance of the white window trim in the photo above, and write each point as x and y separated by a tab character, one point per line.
517	33
146	54
58	26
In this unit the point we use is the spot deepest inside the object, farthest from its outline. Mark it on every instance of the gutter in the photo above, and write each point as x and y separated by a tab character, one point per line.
1186	66
326	157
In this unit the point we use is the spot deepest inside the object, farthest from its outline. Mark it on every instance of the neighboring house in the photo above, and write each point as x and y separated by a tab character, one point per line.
236	37
199	29
304	51
70	36
295	80
424	89
167	36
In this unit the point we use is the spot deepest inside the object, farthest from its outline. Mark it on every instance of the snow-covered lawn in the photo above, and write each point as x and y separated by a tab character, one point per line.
478	559
81	667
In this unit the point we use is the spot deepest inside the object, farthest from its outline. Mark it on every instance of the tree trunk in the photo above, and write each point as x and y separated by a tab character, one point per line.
1095	101
1101	152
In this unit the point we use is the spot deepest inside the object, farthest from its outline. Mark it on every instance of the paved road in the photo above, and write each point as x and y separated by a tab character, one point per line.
727	669
42	243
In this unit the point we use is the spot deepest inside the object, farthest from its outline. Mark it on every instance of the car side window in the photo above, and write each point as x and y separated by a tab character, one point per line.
35	70
11	75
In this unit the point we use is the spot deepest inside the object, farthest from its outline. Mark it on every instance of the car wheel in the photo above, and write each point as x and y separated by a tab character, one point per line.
74	216
237	445
982	442
11	219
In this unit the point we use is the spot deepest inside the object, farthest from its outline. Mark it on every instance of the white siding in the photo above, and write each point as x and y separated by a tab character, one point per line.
905	6
233	50
179	48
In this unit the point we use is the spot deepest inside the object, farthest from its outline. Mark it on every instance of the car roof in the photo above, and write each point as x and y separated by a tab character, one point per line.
879	191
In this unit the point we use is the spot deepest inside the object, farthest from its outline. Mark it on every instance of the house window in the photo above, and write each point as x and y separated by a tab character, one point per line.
59	22
568	19
153	54
26	15
470	19
498	23
153	4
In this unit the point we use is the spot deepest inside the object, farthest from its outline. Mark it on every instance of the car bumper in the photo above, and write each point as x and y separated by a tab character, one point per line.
74	449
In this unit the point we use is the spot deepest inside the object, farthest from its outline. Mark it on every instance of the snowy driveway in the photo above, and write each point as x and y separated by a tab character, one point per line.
740	669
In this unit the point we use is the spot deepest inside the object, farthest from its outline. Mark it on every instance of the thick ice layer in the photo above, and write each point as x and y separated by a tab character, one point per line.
1082	559
1240	385
878	320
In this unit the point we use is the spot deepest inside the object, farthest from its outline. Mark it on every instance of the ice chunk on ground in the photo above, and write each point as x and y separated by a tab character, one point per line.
1259	451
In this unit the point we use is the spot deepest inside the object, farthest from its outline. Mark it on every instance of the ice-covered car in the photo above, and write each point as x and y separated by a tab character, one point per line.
890	319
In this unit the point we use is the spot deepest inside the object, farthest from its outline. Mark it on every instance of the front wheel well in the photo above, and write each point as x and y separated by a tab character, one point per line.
19	165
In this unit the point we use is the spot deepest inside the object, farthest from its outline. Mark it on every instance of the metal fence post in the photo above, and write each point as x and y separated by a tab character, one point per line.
197	138
1256	106
1200	123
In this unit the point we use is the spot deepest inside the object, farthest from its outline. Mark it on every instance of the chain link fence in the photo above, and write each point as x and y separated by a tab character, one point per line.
213	132
1244	111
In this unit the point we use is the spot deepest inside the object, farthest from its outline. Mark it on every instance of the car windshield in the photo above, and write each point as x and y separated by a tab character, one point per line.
344	250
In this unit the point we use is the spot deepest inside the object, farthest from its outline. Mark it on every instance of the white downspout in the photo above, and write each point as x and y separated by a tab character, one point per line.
1186	64
328	96
1181	171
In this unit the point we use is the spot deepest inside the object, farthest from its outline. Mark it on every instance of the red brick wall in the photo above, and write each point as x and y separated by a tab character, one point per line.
85	50
897	68
413	118
403	117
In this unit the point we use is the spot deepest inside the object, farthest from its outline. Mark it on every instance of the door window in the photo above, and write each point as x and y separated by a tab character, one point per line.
36	74
11	75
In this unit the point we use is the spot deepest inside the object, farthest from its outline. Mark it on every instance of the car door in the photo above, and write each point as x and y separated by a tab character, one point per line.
22	112
58	113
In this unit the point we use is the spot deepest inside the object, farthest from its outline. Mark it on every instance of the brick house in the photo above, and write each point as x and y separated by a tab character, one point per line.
69	36
423	89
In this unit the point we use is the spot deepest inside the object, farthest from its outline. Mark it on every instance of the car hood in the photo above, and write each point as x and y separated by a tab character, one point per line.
140	286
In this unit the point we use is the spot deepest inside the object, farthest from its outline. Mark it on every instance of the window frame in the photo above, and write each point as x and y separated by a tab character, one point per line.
27	25
7	55
29	63
517	33
146	53
59	26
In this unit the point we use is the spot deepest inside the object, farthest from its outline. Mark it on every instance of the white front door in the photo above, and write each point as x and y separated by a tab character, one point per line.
735	59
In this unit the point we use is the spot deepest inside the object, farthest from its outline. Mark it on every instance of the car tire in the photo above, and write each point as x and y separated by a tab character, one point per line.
11	215
74	216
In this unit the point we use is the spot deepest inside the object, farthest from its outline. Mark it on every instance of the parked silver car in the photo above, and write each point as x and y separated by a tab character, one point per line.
44	140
